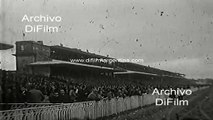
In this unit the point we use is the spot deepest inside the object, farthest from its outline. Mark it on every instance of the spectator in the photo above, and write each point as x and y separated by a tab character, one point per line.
63	98
72	95
22	96
110	95
16	88
35	96
54	97
94	95
9	97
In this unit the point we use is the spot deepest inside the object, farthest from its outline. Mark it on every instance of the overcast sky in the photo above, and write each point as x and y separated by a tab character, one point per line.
174	35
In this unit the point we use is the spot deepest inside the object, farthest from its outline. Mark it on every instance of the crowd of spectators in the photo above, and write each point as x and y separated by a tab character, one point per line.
22	88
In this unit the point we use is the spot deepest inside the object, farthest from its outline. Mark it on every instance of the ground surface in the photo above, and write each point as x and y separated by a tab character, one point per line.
200	108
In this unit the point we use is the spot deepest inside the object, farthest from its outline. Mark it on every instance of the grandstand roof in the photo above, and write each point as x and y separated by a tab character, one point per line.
134	72
58	62
172	76
4	46
147	69
143	73
62	48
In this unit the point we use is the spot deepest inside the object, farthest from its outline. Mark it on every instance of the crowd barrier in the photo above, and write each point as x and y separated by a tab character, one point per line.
81	110
11	106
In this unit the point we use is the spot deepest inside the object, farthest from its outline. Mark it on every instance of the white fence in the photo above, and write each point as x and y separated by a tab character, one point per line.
81	110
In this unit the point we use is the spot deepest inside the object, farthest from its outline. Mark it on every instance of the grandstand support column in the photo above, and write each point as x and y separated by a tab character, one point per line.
129	78
3	87
92	74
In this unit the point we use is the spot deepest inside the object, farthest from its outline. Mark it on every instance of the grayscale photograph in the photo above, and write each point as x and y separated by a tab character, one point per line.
106	59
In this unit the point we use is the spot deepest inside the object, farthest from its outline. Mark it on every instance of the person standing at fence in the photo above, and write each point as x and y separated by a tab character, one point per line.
110	95
54	97
72	95
35	96
94	95
63	97
82	93
22	94
9	96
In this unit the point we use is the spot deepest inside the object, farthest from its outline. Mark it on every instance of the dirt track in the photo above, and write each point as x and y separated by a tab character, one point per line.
200	107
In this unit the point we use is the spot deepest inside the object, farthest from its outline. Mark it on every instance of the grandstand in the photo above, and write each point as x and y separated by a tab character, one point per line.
35	58
63	75
58	61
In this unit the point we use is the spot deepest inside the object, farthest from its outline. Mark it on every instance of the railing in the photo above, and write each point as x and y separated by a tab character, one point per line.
81	110
11	106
